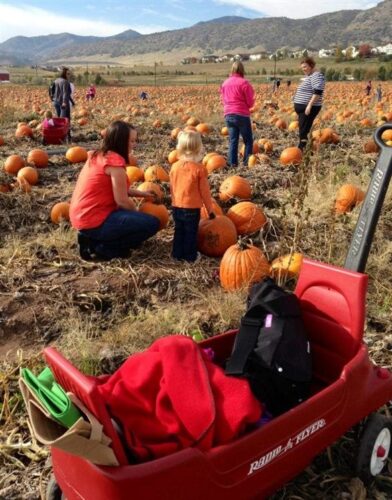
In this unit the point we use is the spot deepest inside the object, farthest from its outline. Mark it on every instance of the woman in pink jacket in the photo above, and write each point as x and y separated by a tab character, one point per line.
238	97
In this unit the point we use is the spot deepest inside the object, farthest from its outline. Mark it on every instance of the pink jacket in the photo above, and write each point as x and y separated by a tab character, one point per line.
237	95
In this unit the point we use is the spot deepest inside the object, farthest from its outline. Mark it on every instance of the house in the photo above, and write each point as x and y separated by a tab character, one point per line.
241	57
326	53
209	59
225	58
384	49
189	60
4	76
351	52
258	56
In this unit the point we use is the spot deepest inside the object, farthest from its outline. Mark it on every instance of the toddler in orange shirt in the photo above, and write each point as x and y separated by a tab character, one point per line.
189	192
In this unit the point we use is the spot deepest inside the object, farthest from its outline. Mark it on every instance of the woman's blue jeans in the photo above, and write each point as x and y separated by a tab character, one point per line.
186	225
239	125
121	231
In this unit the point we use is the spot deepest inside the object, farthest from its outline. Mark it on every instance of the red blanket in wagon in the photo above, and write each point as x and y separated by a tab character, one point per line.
171	396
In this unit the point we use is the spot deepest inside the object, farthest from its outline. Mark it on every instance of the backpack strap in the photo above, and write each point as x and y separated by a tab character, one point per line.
245	342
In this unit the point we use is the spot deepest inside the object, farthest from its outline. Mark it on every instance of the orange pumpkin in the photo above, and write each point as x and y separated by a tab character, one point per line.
268	147
255	149
156	173
387	135
13	164
224	131
216	235
287	266
215	162
151	186
134	174
76	154
291	156
60	212
215	208
158	211
173	156
347	197
371	147
38	157
242	265
203	128
235	187
30	174
247	217
174	133
24	131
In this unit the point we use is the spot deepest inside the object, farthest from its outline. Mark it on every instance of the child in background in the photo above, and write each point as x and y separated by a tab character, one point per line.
91	93
189	191
48	121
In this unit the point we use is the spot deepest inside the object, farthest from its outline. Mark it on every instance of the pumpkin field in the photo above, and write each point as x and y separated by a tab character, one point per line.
282	207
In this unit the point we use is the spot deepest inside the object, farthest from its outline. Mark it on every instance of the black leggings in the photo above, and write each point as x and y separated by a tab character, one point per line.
305	122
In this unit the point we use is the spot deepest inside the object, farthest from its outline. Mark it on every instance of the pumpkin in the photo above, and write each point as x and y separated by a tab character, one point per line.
242	265
134	174
247	217
59	212
156	173
294	125
215	162
76	154
38	157
224	131
386	136
291	156
207	157
192	121
281	124
5	188
157	123
158	211
30	174
215	208
82	121
255	149
13	164
235	187
173	156
151	186
174	133
268	147
253	161
347	197
24	131
371	147
287	266
215	236
203	128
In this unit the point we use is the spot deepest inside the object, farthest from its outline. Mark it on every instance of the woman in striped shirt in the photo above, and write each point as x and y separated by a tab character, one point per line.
308	99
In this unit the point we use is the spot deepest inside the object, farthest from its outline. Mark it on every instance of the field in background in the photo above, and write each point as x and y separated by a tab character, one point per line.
99	313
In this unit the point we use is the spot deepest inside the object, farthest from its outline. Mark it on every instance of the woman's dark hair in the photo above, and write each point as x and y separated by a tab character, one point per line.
64	72
309	60
117	139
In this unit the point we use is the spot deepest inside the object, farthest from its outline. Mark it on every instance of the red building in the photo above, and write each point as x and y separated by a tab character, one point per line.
4	76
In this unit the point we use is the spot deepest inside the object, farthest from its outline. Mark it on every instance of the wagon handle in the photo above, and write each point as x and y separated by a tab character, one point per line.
358	252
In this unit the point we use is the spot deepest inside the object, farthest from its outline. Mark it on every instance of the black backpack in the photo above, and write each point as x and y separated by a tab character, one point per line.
272	350
51	90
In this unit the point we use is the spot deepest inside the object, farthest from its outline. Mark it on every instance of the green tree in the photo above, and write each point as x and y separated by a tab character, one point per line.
263	71
358	74
382	73
98	79
329	75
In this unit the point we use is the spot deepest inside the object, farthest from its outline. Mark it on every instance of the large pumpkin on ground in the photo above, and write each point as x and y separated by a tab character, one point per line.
38	157
242	265
13	164
215	236
215	162
235	187
59	212
247	217
151	186
347	198
30	174
24	131
134	174
76	154
156	173
291	156
158	211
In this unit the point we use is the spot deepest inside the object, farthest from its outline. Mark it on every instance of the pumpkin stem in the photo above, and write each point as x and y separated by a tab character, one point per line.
244	243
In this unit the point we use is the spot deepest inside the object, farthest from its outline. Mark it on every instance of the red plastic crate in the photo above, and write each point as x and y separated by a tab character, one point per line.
58	133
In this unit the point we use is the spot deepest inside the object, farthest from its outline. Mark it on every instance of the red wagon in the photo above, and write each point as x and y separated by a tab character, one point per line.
347	388
56	134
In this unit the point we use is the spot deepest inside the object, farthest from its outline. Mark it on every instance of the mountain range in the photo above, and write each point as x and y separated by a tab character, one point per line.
225	34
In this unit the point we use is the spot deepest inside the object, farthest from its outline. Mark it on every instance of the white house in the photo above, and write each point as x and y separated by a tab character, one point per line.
384	49
352	51
326	53
258	56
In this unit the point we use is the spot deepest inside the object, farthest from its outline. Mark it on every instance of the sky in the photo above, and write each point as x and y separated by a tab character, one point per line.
110	17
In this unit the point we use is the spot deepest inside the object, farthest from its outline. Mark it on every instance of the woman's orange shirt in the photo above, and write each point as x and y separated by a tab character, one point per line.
93	199
189	186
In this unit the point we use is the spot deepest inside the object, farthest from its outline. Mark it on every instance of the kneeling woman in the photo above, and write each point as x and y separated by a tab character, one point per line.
107	221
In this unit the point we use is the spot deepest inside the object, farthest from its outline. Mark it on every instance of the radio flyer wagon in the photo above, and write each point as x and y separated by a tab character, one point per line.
347	388
56	134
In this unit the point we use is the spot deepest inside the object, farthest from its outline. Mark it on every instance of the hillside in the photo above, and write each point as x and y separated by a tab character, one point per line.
344	27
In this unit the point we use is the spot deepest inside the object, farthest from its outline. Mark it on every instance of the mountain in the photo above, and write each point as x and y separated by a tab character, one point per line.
227	34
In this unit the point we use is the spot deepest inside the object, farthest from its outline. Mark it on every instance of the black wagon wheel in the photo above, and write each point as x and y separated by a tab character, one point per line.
375	447
53	491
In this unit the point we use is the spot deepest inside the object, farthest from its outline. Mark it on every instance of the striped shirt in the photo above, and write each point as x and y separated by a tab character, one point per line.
312	84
